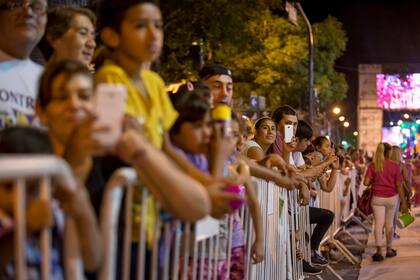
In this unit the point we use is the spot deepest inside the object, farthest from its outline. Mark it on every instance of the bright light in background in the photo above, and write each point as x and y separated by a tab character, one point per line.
346	124
418	121
344	143
406	116
399	122
355	133
341	118
327	136
391	123
336	110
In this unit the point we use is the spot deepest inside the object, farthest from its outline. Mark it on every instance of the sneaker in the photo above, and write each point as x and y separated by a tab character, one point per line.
309	269
317	259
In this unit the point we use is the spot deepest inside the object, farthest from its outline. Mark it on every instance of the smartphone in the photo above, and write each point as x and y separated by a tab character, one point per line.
288	133
109	103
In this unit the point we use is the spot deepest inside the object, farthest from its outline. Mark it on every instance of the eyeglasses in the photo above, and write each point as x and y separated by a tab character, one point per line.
38	7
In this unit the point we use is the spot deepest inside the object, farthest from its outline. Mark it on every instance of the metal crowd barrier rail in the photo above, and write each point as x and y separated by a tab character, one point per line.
179	250
344	213
17	170
183	254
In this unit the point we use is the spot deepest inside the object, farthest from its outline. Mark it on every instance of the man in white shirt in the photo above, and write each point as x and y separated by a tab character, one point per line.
22	25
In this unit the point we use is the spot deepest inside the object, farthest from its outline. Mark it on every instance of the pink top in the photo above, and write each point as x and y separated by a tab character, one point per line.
384	183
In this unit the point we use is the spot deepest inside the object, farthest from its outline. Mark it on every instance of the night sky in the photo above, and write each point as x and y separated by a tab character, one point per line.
379	32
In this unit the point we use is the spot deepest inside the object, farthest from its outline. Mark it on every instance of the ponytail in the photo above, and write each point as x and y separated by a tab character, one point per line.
379	157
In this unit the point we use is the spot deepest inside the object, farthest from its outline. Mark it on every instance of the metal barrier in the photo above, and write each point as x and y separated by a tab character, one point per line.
178	240
18	169
335	201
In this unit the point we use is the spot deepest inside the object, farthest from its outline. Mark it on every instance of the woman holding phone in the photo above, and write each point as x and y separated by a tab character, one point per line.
65	106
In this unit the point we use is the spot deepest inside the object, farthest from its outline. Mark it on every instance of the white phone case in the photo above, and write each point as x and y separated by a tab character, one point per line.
109	107
288	133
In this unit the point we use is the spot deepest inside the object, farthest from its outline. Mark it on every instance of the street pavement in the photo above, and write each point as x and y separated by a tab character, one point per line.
405	266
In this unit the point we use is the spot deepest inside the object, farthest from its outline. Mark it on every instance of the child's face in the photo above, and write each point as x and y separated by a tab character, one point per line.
236	138
325	148
194	137
302	144
141	33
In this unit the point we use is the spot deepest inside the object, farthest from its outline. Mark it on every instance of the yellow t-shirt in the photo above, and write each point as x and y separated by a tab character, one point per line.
152	109
155	112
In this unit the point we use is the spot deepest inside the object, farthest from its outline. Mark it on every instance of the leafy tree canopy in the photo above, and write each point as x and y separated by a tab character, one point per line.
267	54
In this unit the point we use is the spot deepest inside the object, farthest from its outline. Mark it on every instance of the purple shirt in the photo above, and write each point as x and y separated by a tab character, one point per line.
199	160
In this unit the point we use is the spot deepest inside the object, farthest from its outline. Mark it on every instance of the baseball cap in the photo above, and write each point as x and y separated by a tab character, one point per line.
213	69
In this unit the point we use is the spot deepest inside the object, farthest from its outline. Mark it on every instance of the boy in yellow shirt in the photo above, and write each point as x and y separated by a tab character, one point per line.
133	31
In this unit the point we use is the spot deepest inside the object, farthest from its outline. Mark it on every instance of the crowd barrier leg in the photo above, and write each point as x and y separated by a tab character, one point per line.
20	233
45	194
338	276
141	249
176	255
344	231
346	252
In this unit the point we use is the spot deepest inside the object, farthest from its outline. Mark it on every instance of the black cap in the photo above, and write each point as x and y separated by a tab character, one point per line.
213	69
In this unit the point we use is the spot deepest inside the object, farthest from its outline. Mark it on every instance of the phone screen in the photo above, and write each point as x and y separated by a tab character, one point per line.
288	133
109	105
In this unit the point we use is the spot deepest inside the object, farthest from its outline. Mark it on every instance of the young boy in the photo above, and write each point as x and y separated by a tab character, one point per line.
133	31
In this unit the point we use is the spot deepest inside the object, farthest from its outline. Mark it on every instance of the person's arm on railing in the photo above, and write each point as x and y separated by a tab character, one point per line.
266	173
181	195
76	204
257	250
332	179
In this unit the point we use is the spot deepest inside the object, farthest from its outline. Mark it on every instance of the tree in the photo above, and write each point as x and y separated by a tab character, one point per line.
267	54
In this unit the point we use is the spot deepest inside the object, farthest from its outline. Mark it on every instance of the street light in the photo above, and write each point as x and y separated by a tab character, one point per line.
346	124
355	133
336	110
341	118
406	116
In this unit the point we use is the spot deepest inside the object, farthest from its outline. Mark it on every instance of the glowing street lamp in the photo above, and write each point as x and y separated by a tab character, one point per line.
341	118
406	116
336	110
346	124
355	133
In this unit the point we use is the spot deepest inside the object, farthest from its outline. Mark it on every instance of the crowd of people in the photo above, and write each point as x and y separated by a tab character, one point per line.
188	148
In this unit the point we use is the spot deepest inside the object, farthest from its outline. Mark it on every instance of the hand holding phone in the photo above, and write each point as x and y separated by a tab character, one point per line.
288	133
109	102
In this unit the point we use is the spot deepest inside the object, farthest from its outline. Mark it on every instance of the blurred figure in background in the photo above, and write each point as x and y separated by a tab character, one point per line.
69	34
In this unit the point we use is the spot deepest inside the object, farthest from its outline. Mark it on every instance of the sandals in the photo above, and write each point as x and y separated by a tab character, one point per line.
391	254
377	257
